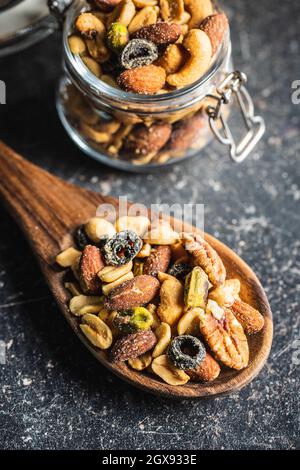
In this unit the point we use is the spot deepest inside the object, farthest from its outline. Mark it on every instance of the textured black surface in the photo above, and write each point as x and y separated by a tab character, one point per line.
54	395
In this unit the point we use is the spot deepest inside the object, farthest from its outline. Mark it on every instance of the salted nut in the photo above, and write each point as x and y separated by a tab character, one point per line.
145	47
161	307
97	332
198	45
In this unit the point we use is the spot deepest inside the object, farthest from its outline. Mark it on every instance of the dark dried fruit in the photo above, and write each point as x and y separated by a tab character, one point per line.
138	53
158	261
159	33
81	238
207	371
130	321
133	293
180	270
186	352
122	248
90	264
133	345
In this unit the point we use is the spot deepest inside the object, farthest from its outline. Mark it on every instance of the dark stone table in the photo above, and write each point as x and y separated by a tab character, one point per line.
54	395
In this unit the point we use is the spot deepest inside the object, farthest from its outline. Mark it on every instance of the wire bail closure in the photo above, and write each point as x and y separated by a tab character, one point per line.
255	125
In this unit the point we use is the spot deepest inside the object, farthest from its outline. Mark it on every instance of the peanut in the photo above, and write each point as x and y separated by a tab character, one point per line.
172	376
112	273
141	362
68	257
138	224
189	322
108	287
81	304
97	228
163	334
97	332
76	44
144	17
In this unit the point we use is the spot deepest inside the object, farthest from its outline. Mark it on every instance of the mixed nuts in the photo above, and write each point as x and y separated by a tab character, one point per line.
147	47
182	321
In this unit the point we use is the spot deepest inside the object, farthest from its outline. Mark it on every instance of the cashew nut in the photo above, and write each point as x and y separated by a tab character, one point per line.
163	334
144	17
171	304
198	44
173	58
199	10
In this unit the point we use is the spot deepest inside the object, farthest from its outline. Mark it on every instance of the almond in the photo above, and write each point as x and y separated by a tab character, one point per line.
144	80
133	293
251	320
104	5
159	33
145	140
133	345
158	261
215	27
207	371
186	132
90	264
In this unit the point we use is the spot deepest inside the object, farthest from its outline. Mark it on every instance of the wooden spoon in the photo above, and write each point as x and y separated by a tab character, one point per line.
48	210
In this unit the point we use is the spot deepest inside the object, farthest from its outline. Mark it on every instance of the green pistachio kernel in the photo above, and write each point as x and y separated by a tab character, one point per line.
117	37
141	319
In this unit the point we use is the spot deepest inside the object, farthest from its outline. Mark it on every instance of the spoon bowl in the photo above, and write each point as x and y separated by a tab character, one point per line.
48	210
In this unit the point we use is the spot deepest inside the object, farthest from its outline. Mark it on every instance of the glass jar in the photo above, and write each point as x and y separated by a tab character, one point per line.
100	117
23	23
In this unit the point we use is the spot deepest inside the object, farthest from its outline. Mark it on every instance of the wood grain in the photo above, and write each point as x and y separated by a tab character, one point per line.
48	210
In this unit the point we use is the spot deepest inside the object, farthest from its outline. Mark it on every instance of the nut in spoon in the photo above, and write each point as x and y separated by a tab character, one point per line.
48	210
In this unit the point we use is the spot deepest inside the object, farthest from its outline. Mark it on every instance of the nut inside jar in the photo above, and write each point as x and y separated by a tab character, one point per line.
150	51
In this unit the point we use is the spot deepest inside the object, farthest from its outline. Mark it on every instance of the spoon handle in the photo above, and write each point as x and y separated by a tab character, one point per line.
45	207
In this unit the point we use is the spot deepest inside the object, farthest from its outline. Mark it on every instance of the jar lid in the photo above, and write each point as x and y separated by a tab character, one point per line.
23	23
